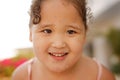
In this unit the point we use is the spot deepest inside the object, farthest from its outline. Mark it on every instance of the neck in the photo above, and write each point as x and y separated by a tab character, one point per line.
64	75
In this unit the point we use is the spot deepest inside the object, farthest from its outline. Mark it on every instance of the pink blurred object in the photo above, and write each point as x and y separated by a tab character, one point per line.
19	62
11	62
6	62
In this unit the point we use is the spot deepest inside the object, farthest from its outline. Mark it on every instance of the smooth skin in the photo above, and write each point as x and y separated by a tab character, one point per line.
60	30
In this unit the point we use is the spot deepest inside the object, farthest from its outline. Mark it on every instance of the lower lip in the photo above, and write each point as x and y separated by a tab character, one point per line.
58	58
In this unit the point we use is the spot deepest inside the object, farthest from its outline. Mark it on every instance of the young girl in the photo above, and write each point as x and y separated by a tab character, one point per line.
58	32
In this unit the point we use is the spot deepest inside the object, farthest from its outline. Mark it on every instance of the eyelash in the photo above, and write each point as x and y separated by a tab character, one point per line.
48	31
71	32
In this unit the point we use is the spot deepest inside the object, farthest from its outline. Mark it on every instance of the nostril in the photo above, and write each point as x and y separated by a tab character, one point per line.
58	44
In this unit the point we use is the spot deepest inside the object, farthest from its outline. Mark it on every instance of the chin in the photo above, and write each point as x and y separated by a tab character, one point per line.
58	69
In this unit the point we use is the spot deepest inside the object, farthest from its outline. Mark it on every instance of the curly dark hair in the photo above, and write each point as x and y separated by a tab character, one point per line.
35	9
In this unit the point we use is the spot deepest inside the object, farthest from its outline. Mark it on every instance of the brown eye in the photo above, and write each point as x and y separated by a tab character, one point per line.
71	32
48	31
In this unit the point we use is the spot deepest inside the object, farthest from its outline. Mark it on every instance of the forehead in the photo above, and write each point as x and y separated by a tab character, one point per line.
59	9
55	4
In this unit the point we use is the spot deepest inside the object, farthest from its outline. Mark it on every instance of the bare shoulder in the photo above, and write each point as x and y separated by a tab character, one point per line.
106	74
20	73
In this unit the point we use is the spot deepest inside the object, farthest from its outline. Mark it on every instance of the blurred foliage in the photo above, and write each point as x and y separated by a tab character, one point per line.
8	70
25	52
7	66
114	39
116	68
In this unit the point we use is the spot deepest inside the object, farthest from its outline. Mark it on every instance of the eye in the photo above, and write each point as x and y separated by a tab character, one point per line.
71	32
48	31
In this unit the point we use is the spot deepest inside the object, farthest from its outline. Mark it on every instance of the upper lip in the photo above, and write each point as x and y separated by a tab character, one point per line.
58	52
53	51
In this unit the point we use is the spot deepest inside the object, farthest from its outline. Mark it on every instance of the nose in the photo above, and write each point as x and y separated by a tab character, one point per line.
58	42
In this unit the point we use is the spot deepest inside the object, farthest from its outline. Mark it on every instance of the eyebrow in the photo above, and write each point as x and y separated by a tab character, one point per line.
46	25
75	26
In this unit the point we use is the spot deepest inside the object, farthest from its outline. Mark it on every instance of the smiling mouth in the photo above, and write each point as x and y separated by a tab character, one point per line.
58	54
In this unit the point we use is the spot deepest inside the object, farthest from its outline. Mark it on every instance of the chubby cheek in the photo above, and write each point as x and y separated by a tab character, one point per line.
39	46
77	45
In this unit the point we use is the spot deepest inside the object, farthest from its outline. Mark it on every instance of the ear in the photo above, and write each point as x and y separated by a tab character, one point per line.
30	35
84	41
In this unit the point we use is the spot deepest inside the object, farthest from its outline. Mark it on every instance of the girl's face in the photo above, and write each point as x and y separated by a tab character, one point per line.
59	38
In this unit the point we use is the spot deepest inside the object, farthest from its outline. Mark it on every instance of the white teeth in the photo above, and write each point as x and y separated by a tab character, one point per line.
58	55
